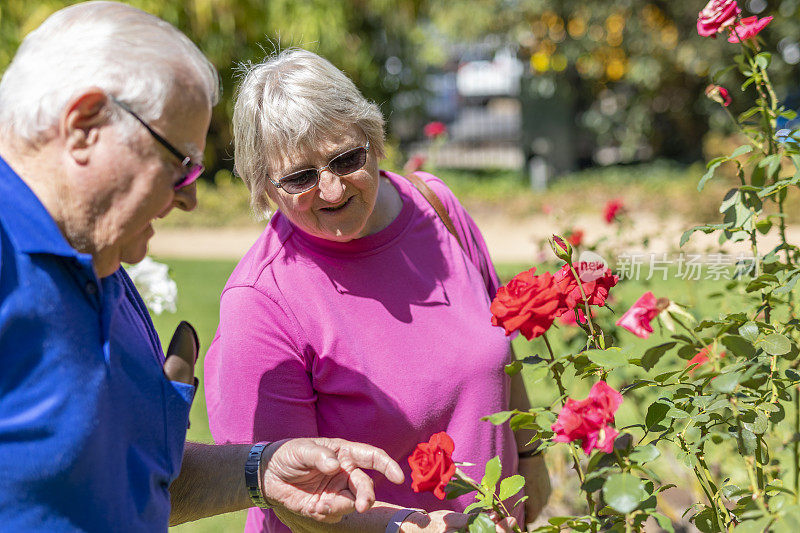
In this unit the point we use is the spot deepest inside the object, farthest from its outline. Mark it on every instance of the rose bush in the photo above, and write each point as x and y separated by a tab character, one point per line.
723	386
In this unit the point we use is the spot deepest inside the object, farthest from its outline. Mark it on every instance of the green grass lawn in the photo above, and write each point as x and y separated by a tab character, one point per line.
200	284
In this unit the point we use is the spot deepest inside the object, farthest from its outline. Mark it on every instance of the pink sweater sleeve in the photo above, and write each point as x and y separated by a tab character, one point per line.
257	355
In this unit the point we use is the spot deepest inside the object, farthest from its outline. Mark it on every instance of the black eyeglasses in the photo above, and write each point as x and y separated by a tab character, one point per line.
341	165
193	169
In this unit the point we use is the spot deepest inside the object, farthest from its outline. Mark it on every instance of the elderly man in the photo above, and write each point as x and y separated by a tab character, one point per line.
103	118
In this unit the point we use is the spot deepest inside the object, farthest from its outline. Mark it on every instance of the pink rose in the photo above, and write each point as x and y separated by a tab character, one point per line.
748	28
434	129
589	420
637	319
717	15
719	94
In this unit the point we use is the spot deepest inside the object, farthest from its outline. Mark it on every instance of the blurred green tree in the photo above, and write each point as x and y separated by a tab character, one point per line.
358	36
635	64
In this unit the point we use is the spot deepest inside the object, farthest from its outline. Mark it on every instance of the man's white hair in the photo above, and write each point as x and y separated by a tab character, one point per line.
289	103
132	55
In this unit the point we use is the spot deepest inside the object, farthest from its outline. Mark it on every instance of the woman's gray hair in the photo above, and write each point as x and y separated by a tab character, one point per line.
132	55
291	102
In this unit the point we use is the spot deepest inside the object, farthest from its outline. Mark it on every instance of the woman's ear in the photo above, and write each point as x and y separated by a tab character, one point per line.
81	120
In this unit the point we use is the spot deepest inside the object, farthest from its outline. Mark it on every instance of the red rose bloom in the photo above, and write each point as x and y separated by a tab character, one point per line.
611	209
432	465
575	237
717	15
596	280
637	319
434	129
588	420
747	28
528	304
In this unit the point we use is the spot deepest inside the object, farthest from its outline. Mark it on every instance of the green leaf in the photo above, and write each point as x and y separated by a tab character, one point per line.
492	474
747	442
481	524
726	382
610	358
749	331
775	344
738	345
510	486
763	60
663	522
644	454
456	488
476	505
652	355
712	166
656	413
498	418
624	492
754	526
512	369
743	149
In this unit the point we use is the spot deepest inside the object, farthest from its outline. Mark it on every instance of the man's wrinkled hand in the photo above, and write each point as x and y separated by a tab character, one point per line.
322	478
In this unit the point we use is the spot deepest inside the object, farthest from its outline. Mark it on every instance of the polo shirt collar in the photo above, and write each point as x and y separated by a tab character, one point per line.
28	224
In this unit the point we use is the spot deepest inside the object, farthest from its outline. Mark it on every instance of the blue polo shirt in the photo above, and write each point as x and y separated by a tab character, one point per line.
91	432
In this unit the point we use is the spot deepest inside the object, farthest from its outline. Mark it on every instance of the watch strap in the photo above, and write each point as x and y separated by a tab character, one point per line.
252	468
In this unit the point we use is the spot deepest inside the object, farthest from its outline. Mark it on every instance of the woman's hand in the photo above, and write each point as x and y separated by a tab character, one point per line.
448	521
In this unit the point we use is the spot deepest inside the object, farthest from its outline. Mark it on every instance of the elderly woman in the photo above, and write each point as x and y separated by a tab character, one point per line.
356	314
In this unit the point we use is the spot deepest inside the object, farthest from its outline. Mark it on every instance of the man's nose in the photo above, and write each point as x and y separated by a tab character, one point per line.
186	197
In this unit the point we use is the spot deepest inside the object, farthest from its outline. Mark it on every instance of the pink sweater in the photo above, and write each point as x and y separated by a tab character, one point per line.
385	339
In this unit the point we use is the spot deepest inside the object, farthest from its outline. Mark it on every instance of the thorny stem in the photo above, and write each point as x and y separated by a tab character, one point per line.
585	306
705	484
576	462
497	504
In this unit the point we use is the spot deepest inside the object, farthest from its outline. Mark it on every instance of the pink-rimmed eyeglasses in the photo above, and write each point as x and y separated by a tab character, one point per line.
193	170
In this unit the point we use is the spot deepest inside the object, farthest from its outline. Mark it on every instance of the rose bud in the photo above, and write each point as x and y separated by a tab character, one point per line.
561	248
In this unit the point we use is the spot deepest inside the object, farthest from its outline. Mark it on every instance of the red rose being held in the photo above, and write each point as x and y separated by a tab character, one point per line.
747	28
716	16
432	465
596	280
589	420
528	304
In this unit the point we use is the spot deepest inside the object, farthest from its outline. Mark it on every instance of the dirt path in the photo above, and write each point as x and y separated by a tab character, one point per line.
509	240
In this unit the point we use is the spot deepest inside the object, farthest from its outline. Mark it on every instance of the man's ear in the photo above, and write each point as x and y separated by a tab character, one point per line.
81	121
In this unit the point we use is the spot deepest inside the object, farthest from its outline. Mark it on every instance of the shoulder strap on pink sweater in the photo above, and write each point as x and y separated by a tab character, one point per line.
437	205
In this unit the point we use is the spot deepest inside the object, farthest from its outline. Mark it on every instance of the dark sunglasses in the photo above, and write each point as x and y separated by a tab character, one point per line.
193	169
341	165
